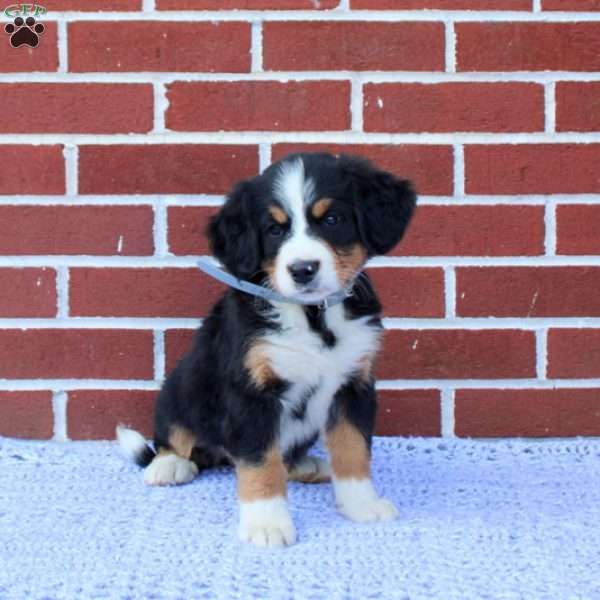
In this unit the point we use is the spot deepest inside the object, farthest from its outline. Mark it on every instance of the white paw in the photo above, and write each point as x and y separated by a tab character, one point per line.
375	510
266	523
169	469
357	500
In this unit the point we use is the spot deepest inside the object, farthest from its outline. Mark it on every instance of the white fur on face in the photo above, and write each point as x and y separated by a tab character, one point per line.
296	192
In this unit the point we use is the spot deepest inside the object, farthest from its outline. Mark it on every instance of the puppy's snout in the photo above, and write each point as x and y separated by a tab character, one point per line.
304	271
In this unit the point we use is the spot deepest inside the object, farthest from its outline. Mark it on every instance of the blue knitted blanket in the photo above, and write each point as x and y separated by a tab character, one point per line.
502	520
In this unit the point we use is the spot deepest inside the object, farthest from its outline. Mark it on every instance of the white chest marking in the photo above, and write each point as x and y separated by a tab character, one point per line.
315	372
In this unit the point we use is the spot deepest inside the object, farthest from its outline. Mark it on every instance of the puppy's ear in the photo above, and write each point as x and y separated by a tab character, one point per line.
383	203
233	234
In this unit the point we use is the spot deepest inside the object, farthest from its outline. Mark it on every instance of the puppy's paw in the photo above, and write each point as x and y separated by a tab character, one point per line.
169	469
266	523
358	501
310	469
379	509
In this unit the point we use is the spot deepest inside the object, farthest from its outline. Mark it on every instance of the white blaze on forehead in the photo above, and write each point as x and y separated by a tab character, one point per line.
294	191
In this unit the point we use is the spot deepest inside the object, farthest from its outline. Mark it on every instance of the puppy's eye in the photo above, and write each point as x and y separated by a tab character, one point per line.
331	219
275	230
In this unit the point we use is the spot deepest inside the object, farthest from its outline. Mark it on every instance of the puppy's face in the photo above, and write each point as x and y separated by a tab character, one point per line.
306	226
312	247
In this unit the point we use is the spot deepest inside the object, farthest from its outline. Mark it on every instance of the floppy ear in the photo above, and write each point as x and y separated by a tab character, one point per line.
383	203
233	235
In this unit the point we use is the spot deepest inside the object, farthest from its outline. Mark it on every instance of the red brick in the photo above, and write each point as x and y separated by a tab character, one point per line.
164	168
246	4
76	353
578	106
408	413
429	167
339	46
441	4
26	415
159	46
532	169
475	231
410	292
528	292
576	5
177	343
141	292
32	169
457	354
258	106
187	229
95	230
514	46
24	58
27	293
578	229
450	107
527	413
76	108
574	353
94	5
94	414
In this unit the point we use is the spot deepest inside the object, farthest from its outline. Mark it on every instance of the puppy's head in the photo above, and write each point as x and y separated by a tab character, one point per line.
307	225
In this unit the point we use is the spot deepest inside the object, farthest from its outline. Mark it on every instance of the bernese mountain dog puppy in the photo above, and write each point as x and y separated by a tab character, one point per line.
265	378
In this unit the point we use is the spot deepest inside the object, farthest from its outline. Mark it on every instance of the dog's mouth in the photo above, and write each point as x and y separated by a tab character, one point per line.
313	293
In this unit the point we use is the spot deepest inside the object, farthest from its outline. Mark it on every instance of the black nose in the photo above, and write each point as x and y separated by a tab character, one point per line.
304	271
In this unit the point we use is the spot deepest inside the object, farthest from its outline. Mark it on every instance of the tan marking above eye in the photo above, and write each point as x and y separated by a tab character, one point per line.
278	214
320	207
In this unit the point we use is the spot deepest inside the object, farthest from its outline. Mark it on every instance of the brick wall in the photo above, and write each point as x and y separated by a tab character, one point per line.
121	132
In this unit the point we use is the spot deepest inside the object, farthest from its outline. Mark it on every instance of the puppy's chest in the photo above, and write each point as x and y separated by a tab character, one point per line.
316	362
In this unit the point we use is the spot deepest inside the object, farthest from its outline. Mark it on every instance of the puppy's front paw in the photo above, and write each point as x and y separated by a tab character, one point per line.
266	523
379	509
357	500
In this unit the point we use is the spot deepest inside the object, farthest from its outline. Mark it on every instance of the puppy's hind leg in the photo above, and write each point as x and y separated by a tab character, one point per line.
172	464
310	469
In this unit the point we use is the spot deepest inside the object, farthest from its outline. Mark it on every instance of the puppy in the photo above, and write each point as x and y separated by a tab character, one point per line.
266	377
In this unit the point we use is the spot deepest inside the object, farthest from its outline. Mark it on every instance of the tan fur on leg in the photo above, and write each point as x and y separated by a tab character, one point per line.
182	441
350	456
257	482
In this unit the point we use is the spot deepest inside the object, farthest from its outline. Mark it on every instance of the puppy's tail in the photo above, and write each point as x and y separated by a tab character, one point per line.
135	446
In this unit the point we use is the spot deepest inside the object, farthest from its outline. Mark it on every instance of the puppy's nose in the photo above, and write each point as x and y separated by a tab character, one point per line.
304	271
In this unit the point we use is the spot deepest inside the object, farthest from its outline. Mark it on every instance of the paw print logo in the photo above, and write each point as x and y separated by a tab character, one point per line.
24	31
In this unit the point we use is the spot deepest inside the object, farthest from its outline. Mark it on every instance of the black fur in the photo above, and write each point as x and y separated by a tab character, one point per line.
145	456
383	203
210	392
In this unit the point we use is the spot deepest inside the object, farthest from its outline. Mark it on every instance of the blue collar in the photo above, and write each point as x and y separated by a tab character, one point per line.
208	267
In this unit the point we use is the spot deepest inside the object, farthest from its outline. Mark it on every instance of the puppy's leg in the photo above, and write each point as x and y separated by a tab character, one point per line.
172	464
264	516
355	495
310	469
